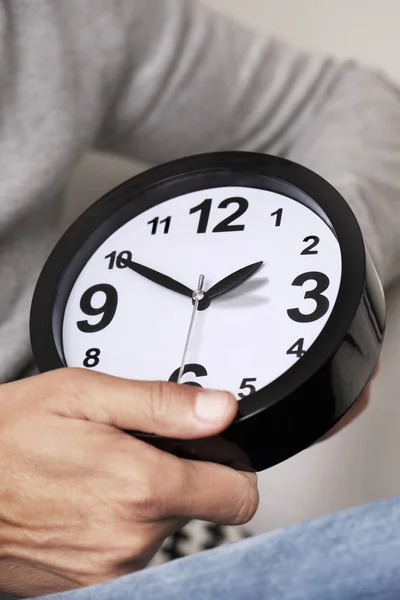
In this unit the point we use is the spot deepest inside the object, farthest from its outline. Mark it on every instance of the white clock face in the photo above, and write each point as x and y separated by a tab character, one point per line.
118	322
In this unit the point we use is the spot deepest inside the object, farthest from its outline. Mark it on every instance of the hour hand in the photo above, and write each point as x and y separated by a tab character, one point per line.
159	278
234	280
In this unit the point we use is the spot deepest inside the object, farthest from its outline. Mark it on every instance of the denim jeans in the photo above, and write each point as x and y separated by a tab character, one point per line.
351	555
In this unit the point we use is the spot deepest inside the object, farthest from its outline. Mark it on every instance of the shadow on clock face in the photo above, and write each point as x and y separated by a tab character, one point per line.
245	296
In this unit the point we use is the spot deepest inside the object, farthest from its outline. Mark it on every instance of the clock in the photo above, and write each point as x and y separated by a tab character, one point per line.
234	271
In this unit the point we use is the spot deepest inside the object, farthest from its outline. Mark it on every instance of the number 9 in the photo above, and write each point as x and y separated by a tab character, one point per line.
107	309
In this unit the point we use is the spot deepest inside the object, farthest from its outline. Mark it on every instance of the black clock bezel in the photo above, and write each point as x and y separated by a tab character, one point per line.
180	177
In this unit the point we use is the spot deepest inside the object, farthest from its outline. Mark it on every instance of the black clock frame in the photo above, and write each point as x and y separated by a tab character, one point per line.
304	403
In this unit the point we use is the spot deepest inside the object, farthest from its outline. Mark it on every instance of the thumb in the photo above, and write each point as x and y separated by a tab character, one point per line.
161	408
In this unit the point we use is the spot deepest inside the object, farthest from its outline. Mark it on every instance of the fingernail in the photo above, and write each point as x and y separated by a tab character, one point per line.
211	406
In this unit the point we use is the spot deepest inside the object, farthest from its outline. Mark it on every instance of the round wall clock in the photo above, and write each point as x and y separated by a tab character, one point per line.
233	271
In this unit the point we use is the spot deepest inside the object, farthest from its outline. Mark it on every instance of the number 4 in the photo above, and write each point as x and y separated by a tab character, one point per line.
297	348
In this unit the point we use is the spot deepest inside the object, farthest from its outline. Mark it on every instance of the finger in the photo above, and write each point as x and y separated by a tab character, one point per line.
161	408
209	492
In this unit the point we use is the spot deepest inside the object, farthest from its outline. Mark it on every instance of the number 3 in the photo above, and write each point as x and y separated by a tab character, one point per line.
322	302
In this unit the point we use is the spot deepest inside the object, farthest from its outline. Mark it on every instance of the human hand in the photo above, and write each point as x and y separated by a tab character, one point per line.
82	502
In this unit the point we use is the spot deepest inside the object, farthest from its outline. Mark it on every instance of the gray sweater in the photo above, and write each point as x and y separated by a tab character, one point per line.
159	79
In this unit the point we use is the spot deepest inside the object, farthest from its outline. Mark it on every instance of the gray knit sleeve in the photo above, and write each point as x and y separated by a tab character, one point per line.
194	81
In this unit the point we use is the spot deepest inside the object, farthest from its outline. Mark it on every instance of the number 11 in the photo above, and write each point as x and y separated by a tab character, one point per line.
156	222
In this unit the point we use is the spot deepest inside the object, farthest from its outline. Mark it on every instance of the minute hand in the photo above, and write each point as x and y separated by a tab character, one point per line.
232	281
159	278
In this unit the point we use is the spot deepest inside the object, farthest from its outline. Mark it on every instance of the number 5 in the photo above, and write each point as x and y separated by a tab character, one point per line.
247	385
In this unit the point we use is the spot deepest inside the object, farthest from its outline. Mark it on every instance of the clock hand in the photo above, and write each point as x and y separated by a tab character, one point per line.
159	278
232	281
197	296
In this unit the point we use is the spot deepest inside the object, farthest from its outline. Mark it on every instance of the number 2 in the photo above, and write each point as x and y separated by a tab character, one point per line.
314	243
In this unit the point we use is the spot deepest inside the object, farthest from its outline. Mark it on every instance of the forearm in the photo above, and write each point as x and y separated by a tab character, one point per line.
353	140
195	81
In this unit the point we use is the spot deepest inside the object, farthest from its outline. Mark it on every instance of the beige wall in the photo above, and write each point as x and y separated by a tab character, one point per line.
363	29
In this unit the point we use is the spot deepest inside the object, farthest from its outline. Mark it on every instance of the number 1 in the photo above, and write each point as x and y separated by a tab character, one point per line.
278	214
205	209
